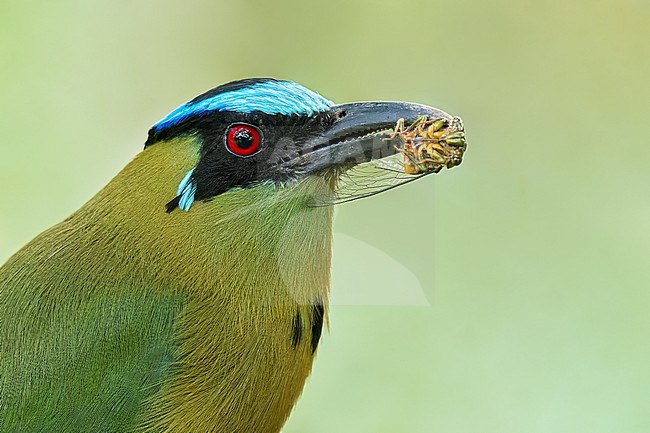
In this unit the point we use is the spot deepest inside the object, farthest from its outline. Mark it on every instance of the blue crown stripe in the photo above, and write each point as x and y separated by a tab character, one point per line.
269	97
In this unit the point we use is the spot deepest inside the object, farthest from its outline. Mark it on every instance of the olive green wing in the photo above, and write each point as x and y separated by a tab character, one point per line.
87	357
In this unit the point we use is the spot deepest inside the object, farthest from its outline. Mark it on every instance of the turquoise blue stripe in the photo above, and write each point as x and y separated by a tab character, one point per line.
270	97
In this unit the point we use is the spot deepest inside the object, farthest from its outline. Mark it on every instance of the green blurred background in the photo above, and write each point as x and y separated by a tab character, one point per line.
536	262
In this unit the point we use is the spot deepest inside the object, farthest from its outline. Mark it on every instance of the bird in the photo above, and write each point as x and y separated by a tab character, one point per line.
190	294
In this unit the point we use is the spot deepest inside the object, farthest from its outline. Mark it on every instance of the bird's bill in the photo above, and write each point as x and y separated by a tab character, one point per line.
363	132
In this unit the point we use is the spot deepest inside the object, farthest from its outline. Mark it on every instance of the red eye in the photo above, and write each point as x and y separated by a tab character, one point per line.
243	139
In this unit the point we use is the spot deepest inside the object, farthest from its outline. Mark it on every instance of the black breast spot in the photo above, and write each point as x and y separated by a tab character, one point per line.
297	328
317	317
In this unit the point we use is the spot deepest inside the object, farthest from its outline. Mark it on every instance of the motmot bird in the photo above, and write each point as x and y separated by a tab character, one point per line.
190	294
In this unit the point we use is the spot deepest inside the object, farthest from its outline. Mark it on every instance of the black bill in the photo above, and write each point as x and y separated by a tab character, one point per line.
364	151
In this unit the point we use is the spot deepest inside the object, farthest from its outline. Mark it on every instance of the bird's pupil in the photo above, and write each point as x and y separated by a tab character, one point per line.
243	138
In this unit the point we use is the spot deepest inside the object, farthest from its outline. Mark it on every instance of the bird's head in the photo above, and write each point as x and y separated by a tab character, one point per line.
270	132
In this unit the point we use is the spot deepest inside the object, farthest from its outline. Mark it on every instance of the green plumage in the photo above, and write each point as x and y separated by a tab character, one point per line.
190	294
125	318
